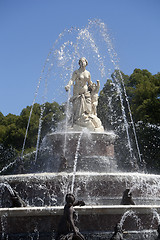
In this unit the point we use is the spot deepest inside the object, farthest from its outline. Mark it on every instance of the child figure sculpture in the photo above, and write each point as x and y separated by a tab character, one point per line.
94	96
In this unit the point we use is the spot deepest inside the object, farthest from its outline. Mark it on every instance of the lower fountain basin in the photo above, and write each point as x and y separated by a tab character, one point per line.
95	222
102	193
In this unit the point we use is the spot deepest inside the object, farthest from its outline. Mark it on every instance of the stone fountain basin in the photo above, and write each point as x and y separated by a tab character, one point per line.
92	219
49	189
102	193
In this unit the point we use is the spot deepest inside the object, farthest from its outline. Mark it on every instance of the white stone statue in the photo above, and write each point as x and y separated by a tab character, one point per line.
85	99
94	96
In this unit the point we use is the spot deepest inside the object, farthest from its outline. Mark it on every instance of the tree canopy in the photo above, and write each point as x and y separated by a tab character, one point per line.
143	88
13	128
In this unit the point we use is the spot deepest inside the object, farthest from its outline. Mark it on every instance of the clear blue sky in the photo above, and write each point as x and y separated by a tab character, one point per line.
28	29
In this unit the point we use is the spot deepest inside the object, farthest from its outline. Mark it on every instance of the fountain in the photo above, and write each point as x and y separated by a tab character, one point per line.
80	158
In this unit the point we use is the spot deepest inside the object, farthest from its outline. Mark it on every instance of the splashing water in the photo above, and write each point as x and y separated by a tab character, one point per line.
66	123
8	166
8	187
4	235
94	43
132	214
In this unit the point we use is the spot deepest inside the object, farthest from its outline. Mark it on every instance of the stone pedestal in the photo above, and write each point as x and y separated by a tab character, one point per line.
90	150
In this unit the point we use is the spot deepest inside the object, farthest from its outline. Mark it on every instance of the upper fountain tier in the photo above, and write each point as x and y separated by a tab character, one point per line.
83	146
84	100
92	151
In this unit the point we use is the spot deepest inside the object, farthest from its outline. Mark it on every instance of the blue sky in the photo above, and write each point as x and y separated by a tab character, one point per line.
30	27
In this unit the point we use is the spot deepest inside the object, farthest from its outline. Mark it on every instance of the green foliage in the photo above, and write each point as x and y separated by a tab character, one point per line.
144	91
149	139
7	155
13	128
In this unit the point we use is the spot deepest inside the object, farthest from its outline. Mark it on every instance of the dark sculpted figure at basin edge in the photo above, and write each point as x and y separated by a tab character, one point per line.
11	198
118	233
67	229
127	198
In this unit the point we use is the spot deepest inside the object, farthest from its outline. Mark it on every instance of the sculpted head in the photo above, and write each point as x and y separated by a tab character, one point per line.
94	86
70	198
118	228
83	62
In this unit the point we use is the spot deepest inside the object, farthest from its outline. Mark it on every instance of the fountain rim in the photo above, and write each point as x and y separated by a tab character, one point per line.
84	210
87	132
48	175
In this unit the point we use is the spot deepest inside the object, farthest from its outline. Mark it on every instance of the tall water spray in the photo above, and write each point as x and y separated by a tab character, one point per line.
93	42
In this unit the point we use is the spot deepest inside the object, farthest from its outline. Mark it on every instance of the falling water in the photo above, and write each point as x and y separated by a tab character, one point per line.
91	42
114	60
39	131
42	75
36	233
8	187
8	166
75	161
4	236
66	123
132	214
30	117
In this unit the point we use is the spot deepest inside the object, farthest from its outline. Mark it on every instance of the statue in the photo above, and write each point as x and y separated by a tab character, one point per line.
12	199
85	99
127	198
118	233
66	228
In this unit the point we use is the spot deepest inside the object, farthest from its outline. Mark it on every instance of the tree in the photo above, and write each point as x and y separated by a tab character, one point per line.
13	128
144	91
